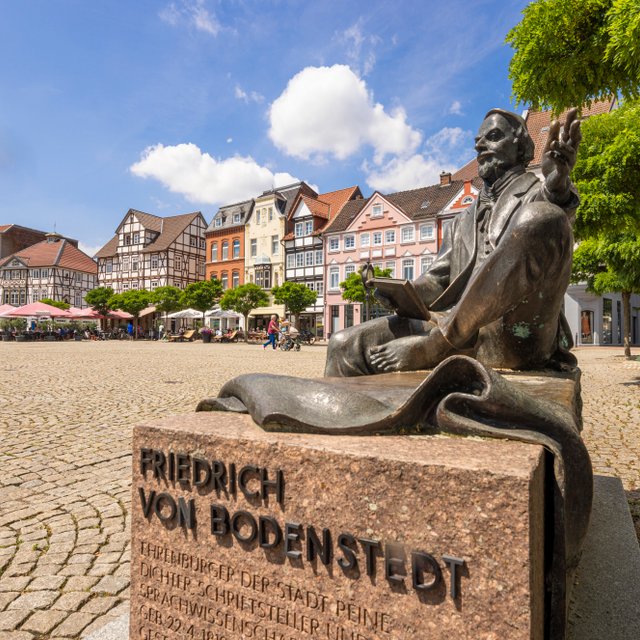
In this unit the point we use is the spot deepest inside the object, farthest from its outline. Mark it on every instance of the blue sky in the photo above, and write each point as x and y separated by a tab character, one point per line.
184	105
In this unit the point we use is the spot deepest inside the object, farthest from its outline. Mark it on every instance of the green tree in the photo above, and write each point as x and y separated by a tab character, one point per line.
202	295
100	299
571	52
607	175
295	296
133	302
167	299
59	304
244	299
353	289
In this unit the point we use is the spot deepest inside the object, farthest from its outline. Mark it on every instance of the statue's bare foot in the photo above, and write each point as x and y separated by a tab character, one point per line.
403	354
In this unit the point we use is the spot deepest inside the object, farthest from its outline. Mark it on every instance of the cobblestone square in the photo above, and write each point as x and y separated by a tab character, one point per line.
66	413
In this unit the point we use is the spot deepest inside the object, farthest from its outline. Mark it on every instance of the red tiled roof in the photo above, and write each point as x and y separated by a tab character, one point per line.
346	216
56	254
4	227
538	123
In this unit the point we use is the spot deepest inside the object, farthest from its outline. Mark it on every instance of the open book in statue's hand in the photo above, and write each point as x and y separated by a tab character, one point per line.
401	296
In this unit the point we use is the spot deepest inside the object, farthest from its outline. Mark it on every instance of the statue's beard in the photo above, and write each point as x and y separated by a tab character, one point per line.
492	168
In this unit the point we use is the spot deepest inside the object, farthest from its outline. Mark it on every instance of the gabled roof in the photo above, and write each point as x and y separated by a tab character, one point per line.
287	195
55	254
325	206
346	216
227	212
538	123
168	228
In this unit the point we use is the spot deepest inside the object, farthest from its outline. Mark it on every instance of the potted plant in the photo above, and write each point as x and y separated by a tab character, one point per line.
206	334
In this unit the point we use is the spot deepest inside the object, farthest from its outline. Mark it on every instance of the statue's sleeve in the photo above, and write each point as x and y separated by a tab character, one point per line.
435	280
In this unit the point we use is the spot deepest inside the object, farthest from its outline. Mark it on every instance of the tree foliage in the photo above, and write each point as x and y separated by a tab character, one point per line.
607	175
571	52
295	296
132	301
100	299
244	299
202	295
353	289
59	304
167	299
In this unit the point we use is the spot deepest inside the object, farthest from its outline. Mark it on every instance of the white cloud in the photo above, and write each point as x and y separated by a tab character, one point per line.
199	177
89	249
359	48
328	111
229	140
193	13
252	96
443	151
456	108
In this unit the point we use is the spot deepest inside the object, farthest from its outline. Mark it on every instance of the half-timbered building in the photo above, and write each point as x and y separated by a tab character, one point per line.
304	246
54	268
148	251
225	244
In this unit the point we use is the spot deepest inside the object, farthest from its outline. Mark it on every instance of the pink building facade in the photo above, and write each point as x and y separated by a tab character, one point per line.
399	232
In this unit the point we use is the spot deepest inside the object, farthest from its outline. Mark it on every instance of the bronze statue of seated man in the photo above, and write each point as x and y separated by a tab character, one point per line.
496	287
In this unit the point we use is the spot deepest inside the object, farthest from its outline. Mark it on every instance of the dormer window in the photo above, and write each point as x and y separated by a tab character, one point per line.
236	217
218	222
376	211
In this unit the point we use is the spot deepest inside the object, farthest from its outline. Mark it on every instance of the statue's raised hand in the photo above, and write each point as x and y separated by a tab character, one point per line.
559	156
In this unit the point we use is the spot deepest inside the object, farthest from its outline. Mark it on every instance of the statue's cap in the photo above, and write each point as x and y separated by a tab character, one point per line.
527	145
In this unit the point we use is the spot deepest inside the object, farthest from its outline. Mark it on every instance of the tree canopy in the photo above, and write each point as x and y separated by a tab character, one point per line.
244	299
167	299
132	301
202	295
571	52
59	304
353	289
100	299
607	175
295	296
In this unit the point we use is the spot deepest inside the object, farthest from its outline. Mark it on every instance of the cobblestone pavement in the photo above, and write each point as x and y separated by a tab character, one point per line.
66	412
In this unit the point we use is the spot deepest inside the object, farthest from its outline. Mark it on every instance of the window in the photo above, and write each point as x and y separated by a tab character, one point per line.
125	263
275	246
334	244
319	259
136	238
214	252
235	279
291	260
407	268
202	243
263	278
426	232
258	216
300	259
270	213
78	277
154	261
407	234
425	263
299	229
224	280
308	258
349	242
134	263
154	284
365	240
125	286
390	236
201	269
377	238
308	227
35	273
376	211
108	266
391	265
348	270
334	278
254	248
467	200
218	222
225	250
45	273
236	248
320	288
127	239
178	263
236	217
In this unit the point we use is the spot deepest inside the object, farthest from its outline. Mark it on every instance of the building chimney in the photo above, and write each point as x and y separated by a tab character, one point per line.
445	178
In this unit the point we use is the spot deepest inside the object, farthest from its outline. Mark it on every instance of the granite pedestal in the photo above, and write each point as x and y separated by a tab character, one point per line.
240	533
